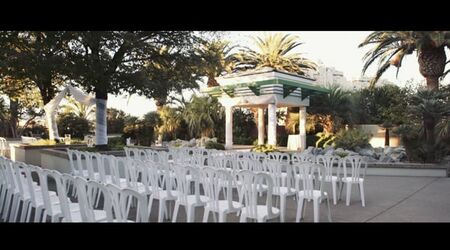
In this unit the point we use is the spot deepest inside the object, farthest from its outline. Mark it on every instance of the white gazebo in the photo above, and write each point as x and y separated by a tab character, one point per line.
265	88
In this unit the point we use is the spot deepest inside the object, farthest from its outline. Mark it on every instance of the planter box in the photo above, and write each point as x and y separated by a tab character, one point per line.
32	154
57	159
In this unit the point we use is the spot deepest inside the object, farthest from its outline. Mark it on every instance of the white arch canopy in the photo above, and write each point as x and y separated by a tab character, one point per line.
51	107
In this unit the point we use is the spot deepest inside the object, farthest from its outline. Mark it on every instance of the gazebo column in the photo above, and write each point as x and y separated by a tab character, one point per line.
261	126
272	124
228	127
302	127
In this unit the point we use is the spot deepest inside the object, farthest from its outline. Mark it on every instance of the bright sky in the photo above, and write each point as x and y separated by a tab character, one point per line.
338	49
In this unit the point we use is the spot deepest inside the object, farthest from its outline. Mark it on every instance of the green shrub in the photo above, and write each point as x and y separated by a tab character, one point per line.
311	140
77	127
265	148
43	143
214	145
324	140
241	140
352	138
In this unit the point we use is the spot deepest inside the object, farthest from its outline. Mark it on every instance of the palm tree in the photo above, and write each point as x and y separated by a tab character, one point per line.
216	59
201	115
170	120
275	51
392	46
78	109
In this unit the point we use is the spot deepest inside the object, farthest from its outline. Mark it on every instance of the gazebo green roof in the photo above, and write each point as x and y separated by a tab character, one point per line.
255	79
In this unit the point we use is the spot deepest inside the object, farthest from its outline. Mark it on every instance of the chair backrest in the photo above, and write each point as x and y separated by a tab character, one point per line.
277	156
62	193
183	184
257	156
355	163
121	199
301	157
309	174
213	182
328	161
3	146
76	161
250	189
275	170
87	192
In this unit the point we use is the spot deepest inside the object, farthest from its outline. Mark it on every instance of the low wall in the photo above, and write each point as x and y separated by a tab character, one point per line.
32	154
59	160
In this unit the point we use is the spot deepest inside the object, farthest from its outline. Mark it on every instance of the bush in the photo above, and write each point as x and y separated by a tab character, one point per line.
214	145
77	127
311	140
324	140
241	140
141	130
265	148
352	138
43	143
35	129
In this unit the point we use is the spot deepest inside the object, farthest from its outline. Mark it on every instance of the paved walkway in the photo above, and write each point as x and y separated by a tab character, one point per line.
388	199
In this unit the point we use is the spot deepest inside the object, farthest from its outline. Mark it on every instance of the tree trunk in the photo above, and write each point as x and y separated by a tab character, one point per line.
159	105
386	138
101	135
14	118
429	124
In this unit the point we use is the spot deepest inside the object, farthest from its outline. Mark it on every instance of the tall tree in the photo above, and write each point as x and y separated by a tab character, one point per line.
35	56
217	58
275	51
147	63
392	46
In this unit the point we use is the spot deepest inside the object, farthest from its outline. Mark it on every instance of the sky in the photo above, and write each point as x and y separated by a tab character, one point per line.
338	49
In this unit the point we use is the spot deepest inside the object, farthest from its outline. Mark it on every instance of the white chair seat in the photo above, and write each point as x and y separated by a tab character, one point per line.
352	180
99	214
315	194
222	206
261	213
332	179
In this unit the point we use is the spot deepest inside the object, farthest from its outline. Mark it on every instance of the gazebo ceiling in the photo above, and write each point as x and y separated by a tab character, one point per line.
265	81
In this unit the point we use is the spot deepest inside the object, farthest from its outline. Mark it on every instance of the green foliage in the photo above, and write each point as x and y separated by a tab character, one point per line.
44	143
265	148
275	51
214	145
324	139
141	130
243	125
77	127
115	120
392	46
351	138
202	115
35	129
311	140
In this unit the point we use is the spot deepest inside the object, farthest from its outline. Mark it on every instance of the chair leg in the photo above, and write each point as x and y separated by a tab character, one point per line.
25	207
14	209
222	217
316	210
282	207
28	218
333	183
329	210
361	190
206	215
299	209
38	214
175	211
161	210
243	218
341	187
349	192
7	205
190	213
150	203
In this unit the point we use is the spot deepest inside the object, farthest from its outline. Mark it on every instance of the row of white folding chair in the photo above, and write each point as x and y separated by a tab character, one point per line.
58	206
213	182
3	146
